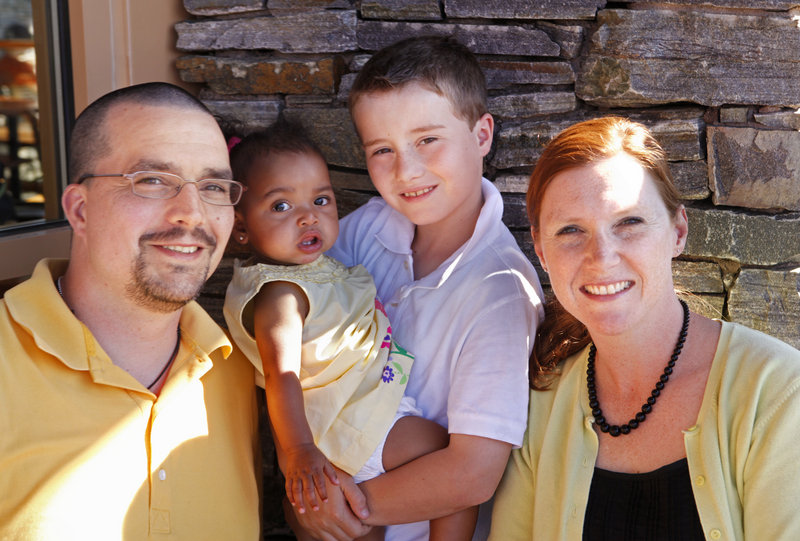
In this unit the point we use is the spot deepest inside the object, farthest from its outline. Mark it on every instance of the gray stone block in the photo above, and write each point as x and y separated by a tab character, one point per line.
481	39
697	276
735	4
768	301
246	114
512	183
746	238
222	7
309	31
332	130
754	168
524	9
277	6
568	37
505	73
401	9
691	179
519	144
789	119
733	115
648	56
533	104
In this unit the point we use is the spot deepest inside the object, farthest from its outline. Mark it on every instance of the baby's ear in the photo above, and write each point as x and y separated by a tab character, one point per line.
239	230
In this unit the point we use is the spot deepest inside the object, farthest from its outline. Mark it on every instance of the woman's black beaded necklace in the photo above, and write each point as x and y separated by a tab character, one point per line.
616	430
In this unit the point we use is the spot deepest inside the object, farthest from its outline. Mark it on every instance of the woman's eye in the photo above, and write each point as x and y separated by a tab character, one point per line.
322	201
381	151
567	230
281	206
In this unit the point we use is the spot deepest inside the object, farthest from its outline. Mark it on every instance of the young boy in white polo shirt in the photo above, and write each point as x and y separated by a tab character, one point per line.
455	284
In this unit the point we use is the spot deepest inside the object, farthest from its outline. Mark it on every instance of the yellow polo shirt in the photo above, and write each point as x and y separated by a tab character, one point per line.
87	452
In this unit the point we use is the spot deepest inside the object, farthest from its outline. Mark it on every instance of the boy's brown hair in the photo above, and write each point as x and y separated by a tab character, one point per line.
440	63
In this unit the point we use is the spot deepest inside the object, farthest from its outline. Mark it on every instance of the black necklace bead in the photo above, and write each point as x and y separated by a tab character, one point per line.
647	407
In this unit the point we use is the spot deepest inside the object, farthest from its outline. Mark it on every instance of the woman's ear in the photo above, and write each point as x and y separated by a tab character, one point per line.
239	229
73	201
538	249
681	230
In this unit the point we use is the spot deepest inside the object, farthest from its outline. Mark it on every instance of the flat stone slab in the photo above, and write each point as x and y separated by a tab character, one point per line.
649	56
751	239
309	31
524	9
401	9
531	104
221	7
243	114
520	143
481	39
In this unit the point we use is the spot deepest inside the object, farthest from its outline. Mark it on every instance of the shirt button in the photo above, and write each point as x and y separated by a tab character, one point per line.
162	474
715	534
700	480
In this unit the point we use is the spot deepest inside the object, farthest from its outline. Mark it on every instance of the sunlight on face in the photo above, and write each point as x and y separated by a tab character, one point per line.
607	240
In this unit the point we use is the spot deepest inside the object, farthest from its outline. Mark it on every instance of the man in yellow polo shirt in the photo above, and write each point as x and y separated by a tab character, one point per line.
123	413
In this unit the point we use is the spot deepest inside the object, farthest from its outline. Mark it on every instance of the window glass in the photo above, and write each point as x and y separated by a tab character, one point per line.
34	101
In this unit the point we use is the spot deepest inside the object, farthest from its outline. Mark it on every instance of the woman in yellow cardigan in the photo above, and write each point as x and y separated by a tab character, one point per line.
646	421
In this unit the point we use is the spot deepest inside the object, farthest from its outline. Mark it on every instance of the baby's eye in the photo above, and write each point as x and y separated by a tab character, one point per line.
322	200
281	206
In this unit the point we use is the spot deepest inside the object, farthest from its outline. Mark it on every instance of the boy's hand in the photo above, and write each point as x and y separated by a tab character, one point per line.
306	469
339	518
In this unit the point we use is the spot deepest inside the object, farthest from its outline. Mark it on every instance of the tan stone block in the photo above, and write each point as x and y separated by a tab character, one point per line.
261	75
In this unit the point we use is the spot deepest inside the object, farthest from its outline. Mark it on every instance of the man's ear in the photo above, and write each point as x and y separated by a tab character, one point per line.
239	233
484	131
73	201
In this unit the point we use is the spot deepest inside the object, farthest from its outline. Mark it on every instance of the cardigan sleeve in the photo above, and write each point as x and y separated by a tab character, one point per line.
771	482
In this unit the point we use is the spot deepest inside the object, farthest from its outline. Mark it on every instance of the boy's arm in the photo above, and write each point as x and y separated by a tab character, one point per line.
280	309
463	474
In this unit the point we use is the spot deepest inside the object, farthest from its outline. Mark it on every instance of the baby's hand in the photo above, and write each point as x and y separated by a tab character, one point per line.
306	467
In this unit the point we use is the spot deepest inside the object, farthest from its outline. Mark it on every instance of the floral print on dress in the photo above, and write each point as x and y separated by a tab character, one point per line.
394	371
387	340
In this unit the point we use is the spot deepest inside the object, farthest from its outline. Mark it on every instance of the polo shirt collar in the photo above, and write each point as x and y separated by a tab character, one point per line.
37	306
397	233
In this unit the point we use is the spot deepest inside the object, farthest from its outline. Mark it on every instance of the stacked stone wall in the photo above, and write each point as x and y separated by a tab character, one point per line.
717	81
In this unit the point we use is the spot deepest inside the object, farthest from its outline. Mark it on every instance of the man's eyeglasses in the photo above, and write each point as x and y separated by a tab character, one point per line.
157	185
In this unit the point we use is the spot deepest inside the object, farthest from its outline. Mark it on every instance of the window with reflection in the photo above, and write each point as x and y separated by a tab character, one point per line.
35	100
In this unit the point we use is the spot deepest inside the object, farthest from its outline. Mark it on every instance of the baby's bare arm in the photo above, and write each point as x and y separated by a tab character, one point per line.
280	311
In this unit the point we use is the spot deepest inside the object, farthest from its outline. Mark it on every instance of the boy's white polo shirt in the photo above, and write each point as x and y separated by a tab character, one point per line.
470	323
